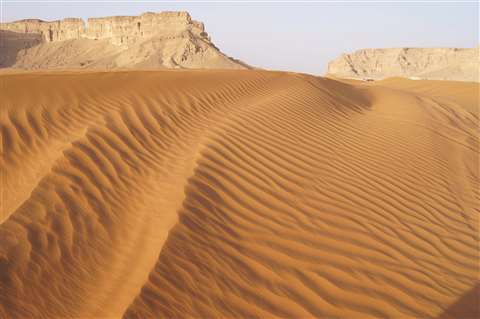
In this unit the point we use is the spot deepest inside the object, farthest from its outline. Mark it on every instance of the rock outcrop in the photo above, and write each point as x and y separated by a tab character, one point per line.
423	63
151	40
49	31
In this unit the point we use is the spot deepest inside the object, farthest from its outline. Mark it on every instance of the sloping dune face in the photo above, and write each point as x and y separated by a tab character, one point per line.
227	194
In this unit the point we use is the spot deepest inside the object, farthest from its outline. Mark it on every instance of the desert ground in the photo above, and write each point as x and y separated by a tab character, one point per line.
237	194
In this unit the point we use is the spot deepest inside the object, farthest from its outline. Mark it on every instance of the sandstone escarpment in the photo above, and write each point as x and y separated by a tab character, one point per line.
49	31
151	40
425	63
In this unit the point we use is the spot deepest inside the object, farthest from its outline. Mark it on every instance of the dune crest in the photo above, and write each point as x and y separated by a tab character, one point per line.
221	194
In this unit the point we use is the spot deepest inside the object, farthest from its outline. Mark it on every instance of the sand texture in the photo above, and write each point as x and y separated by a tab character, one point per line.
237	194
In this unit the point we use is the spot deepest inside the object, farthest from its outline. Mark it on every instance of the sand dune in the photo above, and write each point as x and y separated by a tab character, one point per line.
227	194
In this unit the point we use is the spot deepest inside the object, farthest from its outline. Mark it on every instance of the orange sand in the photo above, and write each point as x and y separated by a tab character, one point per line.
227	194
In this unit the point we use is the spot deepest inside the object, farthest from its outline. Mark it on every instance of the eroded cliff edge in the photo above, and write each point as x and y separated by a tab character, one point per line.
151	40
423	63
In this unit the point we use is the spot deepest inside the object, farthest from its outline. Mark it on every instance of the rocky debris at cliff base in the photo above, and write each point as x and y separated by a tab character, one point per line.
151	40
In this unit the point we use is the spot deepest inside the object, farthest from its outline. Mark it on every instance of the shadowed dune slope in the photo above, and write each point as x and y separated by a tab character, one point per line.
229	194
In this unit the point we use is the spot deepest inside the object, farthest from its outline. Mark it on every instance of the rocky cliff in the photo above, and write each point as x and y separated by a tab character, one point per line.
48	31
151	40
432	63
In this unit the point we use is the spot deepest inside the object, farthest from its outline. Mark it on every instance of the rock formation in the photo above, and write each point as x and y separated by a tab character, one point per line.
151	40
429	63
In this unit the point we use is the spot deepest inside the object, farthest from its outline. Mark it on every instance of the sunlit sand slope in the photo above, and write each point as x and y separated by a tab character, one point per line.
226	194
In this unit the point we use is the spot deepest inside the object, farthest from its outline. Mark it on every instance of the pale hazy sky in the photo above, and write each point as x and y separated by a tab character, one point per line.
292	36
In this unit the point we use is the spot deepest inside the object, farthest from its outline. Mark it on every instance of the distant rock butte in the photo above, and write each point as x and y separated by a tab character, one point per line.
151	40
417	63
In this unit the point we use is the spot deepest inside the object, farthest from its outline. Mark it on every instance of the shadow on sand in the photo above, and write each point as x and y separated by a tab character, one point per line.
12	43
467	307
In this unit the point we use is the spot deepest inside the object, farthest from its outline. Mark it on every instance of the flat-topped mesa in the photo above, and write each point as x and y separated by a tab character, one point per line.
424	63
118	29
150	40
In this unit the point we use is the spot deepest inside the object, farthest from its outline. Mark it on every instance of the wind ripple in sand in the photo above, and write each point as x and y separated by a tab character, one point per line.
234	194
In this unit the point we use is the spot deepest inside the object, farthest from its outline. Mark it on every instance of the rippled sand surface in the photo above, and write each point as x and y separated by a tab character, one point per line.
237	194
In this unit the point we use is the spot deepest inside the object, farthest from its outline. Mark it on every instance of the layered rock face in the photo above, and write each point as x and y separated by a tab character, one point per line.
49	31
151	40
122	30
430	63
